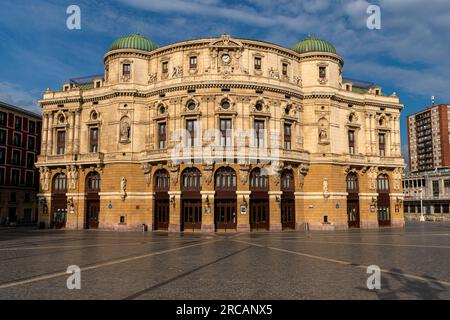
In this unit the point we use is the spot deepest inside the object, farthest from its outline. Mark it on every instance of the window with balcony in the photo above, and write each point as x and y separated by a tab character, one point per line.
351	141
2	136
31	143
18	123
162	135
15	159
93	140
259	133
225	132
191	127
287	136
257	65
31	127
193	62
382	144
17	139
3	118
15	177
60	142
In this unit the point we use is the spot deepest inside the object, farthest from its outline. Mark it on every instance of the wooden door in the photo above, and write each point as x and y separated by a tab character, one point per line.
225	214
288	213
259	214
161	214
192	214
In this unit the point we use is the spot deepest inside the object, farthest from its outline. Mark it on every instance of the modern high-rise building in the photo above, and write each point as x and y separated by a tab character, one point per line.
428	138
20	142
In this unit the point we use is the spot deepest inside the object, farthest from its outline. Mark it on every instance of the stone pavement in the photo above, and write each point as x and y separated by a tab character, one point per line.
284	265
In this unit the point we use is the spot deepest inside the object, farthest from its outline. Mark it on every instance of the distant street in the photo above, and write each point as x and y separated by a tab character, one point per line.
289	265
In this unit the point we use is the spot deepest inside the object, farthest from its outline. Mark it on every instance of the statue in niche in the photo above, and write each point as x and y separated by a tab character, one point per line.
125	130
323	136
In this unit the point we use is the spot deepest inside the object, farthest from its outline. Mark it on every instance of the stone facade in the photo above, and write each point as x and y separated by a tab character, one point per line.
126	132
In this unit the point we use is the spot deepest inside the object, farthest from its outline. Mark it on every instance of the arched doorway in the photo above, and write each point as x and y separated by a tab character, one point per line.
259	200
383	203
191	199
92	209
59	201
353	200
225	199
287	200
161	189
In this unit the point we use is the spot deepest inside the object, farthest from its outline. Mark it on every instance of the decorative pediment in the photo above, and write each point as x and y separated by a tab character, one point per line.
225	42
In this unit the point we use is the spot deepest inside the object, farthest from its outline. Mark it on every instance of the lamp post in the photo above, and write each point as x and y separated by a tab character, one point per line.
422	218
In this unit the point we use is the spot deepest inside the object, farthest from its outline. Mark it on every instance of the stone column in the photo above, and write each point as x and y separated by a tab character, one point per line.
71	133
50	134
44	133
174	211
243	220
373	146
76	142
368	135
275	210
208	217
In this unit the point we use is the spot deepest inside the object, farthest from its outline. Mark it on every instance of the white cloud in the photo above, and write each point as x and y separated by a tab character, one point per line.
19	97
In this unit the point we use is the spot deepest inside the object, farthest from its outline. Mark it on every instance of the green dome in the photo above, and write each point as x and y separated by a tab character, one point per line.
313	45
134	41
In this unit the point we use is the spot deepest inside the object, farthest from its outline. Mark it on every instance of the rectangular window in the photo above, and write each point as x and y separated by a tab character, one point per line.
259	133
12	197
193	62
27	195
2	176
162	135
29	175
17	139
2	136
31	143
225	132
60	142
382	144
351	141
15	159
284	69
31	127
2	155
257	63
447	184
322	72
126	70
18	123
191	127
287	136
15	177
3	118
30	160
93	140
165	67
436	188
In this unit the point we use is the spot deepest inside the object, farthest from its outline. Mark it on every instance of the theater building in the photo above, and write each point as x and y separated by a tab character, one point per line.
220	134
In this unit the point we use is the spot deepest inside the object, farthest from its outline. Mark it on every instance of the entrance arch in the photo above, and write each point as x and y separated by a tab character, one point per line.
259	200
225	200
59	201
383	202
353	200
161	208
287	200
92	210
191	199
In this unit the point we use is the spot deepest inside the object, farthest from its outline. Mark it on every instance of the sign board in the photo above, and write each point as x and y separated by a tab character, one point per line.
207	210
337	206
397	208
372	209
243	209
110	206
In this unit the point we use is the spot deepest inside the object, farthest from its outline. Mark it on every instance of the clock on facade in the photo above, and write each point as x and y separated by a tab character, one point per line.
226	58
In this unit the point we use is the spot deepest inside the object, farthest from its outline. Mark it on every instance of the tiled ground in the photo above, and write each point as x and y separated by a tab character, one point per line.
415	264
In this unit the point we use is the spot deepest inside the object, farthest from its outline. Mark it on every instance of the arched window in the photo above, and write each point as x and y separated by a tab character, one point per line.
259	180
383	183
191	179
352	182
60	183
287	181
225	179
93	182
162	180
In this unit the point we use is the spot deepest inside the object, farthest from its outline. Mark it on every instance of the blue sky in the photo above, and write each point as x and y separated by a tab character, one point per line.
409	55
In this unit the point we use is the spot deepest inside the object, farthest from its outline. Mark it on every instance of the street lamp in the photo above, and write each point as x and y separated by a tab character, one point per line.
422	218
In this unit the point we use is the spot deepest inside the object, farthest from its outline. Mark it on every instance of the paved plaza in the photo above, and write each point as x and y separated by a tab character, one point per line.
414	264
